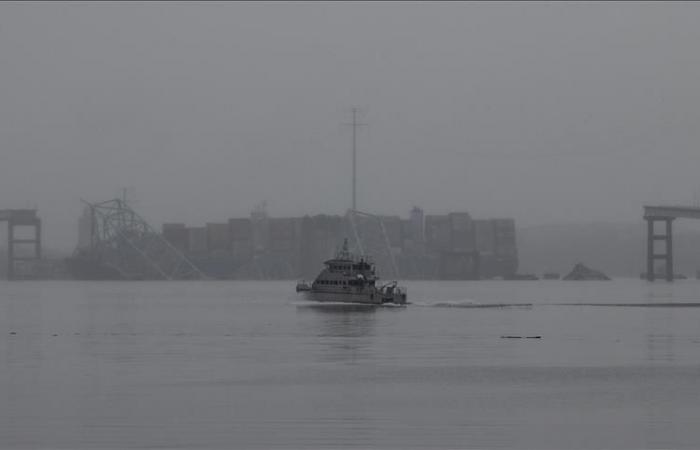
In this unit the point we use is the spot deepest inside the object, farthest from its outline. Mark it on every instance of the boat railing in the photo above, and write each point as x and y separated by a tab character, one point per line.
303	285
392	288
354	258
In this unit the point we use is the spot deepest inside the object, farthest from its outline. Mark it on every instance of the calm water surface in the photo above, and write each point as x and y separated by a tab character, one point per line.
248	365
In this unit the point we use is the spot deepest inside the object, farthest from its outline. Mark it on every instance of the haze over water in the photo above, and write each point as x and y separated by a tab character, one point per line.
547	112
247	365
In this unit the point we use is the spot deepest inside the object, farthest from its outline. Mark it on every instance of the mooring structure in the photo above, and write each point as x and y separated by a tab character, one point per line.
664	215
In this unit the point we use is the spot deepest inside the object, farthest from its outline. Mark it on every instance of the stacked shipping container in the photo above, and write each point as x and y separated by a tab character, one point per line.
218	237
448	246
241	235
197	240
177	235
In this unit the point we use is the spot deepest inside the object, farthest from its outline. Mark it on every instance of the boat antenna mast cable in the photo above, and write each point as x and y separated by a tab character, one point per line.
355	125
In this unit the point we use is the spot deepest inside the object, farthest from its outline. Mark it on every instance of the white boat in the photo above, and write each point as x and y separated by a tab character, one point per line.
350	279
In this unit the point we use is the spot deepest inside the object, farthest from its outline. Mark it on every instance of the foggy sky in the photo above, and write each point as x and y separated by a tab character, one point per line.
545	112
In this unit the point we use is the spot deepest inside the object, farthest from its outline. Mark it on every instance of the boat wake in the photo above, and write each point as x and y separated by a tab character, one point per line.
638	305
470	304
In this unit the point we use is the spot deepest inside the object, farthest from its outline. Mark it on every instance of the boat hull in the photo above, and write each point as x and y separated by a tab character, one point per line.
365	298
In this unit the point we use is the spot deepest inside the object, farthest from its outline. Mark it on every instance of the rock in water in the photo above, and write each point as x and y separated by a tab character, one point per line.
581	272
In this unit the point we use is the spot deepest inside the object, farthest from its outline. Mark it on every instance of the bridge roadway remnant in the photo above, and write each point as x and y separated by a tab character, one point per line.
21	218
666	214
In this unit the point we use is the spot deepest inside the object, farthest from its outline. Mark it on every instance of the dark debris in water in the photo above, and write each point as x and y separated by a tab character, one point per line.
521	337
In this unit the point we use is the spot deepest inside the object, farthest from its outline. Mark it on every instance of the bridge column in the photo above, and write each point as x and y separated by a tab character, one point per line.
10	250
669	249
650	249
667	238
12	255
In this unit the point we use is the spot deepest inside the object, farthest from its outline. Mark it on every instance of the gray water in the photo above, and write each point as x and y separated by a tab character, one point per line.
248	365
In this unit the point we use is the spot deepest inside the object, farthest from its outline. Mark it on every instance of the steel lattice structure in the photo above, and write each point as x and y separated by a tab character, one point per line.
123	242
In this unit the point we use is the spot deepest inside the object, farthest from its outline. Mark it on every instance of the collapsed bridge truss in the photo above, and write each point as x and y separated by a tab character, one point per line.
118	243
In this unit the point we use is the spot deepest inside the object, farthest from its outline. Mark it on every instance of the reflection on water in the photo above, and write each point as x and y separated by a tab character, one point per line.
659	410
344	331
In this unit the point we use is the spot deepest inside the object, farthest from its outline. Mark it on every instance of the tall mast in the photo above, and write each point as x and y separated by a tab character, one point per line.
354	159
355	125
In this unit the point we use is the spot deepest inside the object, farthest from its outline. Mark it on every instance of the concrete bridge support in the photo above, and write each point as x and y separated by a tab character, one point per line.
667	214
667	238
21	218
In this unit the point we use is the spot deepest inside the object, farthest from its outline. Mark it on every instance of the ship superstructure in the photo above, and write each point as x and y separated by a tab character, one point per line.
347	278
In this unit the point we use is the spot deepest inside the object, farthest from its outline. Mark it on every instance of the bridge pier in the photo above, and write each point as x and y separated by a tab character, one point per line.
667	238
21	218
